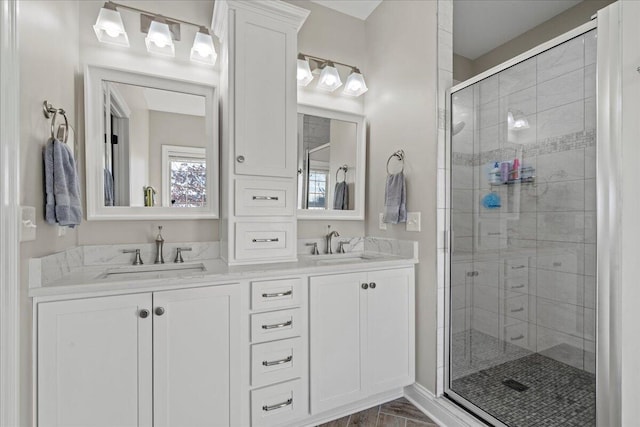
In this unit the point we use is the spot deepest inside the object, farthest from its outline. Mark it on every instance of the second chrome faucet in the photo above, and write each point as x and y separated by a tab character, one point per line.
330	235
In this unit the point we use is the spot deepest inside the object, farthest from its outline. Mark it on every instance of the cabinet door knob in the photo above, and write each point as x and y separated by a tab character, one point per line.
240	159
159	311
372	285
365	286
144	313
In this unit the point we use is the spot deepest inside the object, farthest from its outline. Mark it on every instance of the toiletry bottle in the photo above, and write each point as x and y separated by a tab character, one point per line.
515	170
494	174
505	168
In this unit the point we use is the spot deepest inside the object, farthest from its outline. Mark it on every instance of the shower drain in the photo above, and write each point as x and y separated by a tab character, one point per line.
515	385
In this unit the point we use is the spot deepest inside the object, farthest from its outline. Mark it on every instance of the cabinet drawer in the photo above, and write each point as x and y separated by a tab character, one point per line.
265	240
271	294
276	361
517	284
264	197
517	334
275	325
517	307
516	267
278	404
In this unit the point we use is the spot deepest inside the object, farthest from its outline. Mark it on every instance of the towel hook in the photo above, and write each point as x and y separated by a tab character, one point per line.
344	168
400	156
50	112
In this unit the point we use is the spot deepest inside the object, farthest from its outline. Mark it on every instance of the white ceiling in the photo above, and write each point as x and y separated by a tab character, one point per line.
174	102
480	26
360	9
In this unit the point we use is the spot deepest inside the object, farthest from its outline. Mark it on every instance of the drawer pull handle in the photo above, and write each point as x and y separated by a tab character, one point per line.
275	239
265	198
278	325
278	294
277	362
519	337
517	287
517	267
494	234
516	310
277	406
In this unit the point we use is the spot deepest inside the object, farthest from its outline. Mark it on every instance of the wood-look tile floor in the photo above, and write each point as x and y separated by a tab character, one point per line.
397	413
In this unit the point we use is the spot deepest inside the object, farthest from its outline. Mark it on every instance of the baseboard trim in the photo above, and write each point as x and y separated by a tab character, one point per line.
441	410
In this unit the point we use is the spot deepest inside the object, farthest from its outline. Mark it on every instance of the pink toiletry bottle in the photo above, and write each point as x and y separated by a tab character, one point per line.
515	171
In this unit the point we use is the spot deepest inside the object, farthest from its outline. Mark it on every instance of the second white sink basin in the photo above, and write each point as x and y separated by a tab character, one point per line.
150	271
342	259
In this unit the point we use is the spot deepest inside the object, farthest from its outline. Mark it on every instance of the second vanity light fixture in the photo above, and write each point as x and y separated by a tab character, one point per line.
161	32
329	79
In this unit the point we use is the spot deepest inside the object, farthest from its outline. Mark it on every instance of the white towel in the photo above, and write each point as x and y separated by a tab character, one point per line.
395	199
62	189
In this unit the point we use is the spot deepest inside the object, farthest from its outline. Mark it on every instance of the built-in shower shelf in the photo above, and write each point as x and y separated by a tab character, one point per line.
516	181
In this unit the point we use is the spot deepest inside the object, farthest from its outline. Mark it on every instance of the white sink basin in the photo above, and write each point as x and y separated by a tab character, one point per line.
341	259
152	271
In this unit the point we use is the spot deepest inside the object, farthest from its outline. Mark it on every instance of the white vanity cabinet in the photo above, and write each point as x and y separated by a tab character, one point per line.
362	335
259	128
166	358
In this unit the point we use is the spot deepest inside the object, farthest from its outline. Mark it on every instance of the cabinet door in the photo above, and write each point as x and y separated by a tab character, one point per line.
337	311
95	362
196	349
389	354
265	96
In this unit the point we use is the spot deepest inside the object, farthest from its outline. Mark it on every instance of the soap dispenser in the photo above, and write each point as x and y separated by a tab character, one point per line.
159	247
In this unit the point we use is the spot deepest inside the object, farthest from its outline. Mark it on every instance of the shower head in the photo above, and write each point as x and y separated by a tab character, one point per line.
457	128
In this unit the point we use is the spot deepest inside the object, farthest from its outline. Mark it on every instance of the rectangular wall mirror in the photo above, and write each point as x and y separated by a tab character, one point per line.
151	147
331	164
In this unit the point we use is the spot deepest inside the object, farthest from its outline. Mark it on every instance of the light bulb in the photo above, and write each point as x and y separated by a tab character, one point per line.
109	27
112	31
329	78
303	74
159	39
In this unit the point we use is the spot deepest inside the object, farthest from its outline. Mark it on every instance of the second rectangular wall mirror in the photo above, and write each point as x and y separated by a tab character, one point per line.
331	164
151	147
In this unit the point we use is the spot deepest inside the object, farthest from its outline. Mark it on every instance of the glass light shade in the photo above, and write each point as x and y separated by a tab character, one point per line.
203	50
304	72
329	78
110	29
355	85
159	39
517	121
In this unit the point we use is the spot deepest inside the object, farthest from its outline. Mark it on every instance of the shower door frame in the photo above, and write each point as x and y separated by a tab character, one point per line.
600	178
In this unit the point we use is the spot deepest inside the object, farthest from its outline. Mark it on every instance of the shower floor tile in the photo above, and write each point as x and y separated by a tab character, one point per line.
558	394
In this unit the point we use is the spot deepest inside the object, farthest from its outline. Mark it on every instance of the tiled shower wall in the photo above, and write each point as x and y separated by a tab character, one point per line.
525	272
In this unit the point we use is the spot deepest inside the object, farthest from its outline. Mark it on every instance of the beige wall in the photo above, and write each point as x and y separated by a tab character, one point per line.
332	35
401	110
48	40
560	24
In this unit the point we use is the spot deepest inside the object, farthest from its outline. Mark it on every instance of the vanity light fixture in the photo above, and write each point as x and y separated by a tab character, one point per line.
109	27
159	38
203	50
304	71
329	76
355	85
161	33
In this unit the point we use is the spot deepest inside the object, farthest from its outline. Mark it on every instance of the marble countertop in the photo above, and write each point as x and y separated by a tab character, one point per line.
68	276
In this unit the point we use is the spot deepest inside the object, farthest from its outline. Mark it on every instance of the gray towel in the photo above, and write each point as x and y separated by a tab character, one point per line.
62	189
395	199
108	188
341	196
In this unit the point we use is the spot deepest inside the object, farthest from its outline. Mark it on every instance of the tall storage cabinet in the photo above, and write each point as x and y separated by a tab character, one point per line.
259	128
165	358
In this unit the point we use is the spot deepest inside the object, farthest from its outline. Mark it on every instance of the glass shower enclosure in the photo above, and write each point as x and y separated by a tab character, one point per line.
522	288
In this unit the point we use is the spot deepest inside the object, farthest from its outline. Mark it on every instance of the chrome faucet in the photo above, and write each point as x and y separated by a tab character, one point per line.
138	259
159	247
329	236
179	251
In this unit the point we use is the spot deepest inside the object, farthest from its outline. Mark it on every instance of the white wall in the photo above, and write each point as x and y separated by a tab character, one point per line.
401	111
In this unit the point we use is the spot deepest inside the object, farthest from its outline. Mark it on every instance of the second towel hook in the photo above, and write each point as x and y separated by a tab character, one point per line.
398	155
50	112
